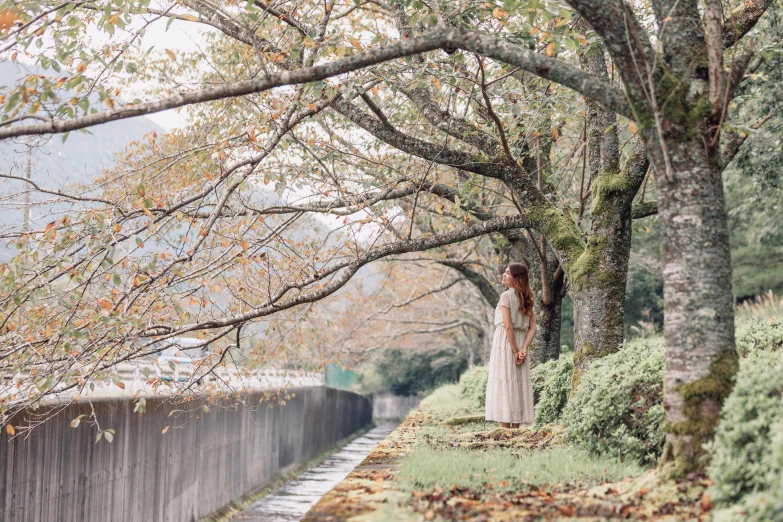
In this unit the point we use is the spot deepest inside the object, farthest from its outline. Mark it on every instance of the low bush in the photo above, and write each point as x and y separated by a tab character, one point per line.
618	407
755	334
551	387
747	451
473	386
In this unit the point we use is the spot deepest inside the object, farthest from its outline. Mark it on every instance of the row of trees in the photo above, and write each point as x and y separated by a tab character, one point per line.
541	128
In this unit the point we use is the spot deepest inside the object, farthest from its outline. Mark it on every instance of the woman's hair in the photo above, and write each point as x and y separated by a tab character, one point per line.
520	283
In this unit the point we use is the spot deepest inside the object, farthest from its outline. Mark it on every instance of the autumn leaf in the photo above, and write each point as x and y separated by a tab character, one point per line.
81	67
171	54
10	430
114	18
165	429
356	43
105	304
550	49
7	19
109	103
498	13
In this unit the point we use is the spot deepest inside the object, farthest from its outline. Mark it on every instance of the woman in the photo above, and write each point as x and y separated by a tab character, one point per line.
509	391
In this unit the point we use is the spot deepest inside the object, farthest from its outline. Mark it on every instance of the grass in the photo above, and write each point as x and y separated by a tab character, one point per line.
500	470
435	461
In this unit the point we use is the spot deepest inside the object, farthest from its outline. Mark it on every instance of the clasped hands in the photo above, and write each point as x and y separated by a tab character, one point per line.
519	357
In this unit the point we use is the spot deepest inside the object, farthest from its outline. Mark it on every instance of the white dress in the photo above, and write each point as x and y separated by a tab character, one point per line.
509	390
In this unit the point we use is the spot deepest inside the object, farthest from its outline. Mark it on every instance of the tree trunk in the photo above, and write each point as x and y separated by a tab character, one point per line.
701	359
548	294
546	344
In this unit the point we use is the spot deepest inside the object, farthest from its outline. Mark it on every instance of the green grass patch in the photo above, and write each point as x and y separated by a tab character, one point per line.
502	470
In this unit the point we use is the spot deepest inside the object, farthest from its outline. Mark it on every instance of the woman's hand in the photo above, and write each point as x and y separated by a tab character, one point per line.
519	357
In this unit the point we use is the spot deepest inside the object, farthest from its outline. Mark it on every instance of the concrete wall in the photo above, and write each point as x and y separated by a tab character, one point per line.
200	464
389	406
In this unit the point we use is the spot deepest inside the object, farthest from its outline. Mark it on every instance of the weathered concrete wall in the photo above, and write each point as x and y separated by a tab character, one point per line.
389	406
200	464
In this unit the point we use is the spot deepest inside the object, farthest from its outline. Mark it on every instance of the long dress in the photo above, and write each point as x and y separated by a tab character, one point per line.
509	389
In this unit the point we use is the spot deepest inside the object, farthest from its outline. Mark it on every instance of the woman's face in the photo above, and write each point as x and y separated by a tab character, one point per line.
507	278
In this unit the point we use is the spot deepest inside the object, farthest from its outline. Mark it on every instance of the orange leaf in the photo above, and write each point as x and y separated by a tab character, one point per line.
706	502
109	103
81	67
7	19
137	281
550	49
171	54
165	429
105	304
114	18
10	430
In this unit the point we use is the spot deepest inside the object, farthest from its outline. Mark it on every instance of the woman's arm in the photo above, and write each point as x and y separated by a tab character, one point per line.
509	327
531	332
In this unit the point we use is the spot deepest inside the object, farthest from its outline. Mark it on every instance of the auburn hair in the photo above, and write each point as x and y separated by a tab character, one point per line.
520	283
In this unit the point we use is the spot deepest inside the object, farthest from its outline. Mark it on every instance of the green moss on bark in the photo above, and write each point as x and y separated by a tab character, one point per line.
702	399
606	185
682	106
561	232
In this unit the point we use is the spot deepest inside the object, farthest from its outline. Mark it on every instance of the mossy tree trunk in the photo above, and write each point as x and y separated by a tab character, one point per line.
699	317
679	98
598	278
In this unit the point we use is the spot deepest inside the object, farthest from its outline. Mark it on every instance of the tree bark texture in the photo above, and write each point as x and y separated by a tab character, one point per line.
701	359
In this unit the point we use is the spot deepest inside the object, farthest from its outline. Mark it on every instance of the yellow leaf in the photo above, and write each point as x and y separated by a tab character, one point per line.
171	54
245	245
7	19
356	43
10	430
498	13
81	67
109	103
136	281
550	49
632	128
114	18
165	429
560	22
190	18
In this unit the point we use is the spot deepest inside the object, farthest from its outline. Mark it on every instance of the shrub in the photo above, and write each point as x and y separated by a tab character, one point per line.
551	387
473	386
747	451
405	373
618	407
758	334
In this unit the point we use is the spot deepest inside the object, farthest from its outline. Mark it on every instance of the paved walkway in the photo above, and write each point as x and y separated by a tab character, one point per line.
296	497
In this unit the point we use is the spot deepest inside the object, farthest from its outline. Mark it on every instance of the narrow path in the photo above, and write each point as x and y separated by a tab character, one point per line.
296	497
